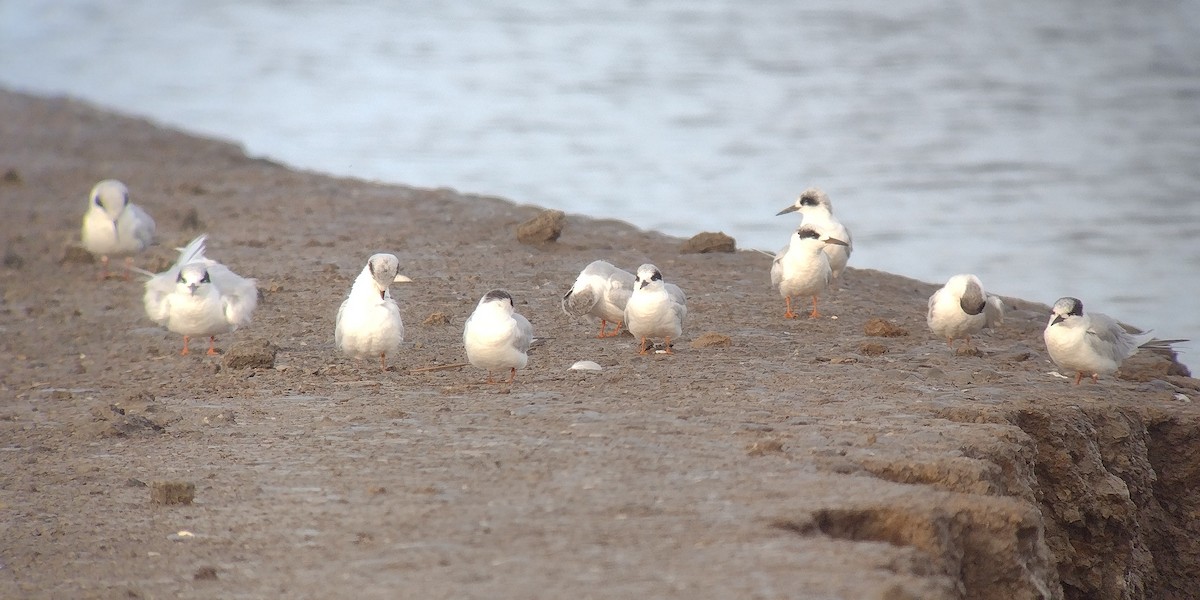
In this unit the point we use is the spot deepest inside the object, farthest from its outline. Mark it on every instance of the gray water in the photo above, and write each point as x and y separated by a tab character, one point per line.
1052	147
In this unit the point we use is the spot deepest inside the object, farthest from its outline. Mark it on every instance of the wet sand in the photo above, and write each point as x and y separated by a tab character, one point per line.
804	459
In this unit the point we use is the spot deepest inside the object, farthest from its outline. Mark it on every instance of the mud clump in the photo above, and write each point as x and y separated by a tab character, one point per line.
703	243
542	229
877	327
77	255
436	318
251	354
172	492
712	339
113	421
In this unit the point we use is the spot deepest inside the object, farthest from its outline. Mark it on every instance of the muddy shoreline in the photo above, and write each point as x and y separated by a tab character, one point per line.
805	455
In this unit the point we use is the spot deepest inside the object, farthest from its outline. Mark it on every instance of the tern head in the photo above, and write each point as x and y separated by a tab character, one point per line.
806	233
647	275
110	196
498	298
1065	307
192	276
810	201
383	268
969	291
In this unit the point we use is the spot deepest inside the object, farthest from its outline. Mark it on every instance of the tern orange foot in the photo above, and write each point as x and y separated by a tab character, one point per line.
212	345
185	350
383	360
615	332
642	347
788	314
512	376
669	345
814	314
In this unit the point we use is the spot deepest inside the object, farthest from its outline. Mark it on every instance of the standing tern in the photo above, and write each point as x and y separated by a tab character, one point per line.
114	226
368	322
497	337
656	309
601	291
802	268
814	205
199	296
961	308
1093	343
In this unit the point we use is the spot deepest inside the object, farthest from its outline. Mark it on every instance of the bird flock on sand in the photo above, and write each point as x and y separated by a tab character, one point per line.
200	297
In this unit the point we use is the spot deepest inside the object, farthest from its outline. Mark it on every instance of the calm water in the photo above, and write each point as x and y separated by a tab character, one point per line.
1052	148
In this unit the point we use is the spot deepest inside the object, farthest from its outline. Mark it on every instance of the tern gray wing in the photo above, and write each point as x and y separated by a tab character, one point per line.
524	333
1107	338
993	311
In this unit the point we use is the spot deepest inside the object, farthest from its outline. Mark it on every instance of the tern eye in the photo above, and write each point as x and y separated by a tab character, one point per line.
179	279
97	201
205	279
656	277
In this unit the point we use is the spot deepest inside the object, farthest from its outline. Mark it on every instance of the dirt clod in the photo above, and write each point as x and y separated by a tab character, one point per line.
205	574
251	354
708	241
191	220
172	492
436	318
878	327
871	349
76	254
763	447
542	229
712	339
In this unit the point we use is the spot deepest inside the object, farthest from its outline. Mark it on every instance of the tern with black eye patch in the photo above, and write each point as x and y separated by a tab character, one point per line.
817	211
656	309
114	226
1092	344
199	296
802	268
496	337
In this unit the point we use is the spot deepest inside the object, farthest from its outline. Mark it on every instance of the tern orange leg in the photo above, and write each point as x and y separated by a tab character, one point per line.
103	268
383	360
212	345
128	267
512	376
615	332
601	335
1078	377
669	345
814	314
185	350
788	314
642	347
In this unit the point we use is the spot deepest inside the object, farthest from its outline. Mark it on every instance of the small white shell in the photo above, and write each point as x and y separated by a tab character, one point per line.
402	279
181	536
585	365
1182	398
